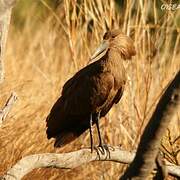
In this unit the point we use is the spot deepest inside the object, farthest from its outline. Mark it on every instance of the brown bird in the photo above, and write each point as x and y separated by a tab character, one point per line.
92	91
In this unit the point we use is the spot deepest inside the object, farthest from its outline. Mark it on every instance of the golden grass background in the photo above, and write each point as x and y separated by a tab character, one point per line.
47	47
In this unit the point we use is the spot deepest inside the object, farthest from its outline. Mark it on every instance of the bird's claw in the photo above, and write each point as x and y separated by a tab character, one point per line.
96	148
102	150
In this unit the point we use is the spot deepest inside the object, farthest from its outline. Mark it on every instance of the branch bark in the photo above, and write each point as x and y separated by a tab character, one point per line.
144	161
5	15
8	106
72	160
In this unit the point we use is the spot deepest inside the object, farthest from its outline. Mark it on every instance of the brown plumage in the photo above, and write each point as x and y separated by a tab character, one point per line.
92	91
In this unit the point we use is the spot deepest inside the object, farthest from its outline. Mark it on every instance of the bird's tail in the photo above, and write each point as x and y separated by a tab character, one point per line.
64	138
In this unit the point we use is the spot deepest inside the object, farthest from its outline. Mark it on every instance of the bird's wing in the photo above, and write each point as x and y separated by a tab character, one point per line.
88	87
81	95
86	92
90	70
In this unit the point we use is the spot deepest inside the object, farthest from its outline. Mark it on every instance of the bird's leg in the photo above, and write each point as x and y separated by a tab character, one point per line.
91	137
90	130
103	147
98	129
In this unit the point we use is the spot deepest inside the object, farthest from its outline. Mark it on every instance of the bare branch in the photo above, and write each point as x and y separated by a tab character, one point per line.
5	15
144	161
4	112
72	160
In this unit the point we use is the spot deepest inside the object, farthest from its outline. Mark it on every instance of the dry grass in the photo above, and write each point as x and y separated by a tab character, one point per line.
50	49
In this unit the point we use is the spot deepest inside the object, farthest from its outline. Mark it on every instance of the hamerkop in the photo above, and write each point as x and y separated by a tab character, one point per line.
92	91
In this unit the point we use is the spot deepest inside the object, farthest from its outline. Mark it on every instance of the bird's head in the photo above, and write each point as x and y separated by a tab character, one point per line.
117	40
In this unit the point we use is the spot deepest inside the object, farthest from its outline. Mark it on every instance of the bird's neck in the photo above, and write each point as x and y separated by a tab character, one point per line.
114	64
114	59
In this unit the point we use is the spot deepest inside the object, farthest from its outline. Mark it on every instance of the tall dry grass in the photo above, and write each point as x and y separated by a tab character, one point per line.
49	49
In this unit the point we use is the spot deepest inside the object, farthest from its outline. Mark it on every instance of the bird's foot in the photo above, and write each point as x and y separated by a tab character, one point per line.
96	148
104	150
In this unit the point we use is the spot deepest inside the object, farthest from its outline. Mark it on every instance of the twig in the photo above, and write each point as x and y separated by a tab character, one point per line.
7	107
72	160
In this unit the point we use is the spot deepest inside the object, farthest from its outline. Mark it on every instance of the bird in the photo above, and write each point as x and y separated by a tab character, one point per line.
92	91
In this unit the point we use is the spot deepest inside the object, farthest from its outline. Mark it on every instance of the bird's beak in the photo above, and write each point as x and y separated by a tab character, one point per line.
100	51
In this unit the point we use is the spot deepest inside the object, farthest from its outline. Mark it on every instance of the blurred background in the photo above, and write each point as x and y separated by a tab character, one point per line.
50	40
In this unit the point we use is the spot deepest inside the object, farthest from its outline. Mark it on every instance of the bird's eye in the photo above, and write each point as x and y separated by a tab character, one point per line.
106	36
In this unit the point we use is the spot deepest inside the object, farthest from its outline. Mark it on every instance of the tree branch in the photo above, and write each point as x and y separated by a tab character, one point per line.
144	161
4	112
5	15
72	160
